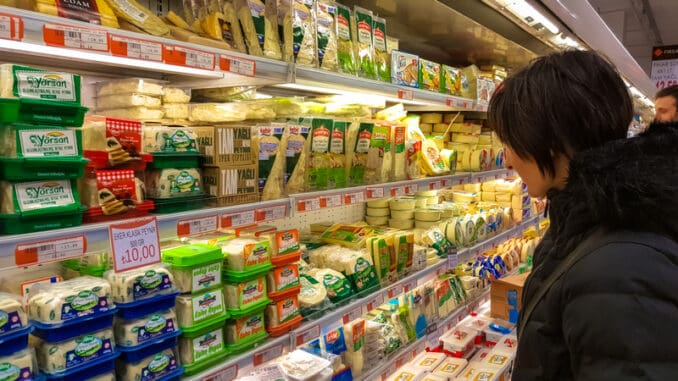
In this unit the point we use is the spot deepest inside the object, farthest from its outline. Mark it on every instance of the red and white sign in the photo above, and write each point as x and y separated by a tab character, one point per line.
374	192
406	94
136	48
66	36
354	198
135	244
227	374
11	27
270	213
233	220
50	250
181	56
201	225
309	205
305	335
237	65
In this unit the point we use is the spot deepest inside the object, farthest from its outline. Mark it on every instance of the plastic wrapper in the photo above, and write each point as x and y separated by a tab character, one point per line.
131	85
127	100
382	60
142	283
223	94
327	35
12	314
139	16
364	47
154	367
338	287
115	191
173	183
141	113
21	364
71	353
97	12
320	165
175	95
268	145
15	84
259	22
133	332
345	40
231	19
356	265
303	32
176	111
354	334
169	139
217	112
55	303
379	155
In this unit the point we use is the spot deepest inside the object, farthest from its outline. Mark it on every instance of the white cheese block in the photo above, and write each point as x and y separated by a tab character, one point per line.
13	366
427	361
431	118
402	214
55	302
427	215
243	253
426	128
243	328
379	203
195	349
136	113
130	333
65	355
216	112
142	283
131	85
281	312
12	314
450	368
473	188
195	309
243	295
312	293
407	374
175	95
378	212
176	111
401	224
402	204
169	139
127	100
143	370
173	183
377	221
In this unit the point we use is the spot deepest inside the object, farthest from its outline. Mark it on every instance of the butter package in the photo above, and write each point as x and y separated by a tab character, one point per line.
164	139
429	75
54	303
134	332
173	183
121	139
198	309
404	69
74	352
453	81
21	82
141	283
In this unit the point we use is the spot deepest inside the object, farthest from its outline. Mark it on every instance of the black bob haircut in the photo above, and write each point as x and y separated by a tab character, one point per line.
560	104
670	91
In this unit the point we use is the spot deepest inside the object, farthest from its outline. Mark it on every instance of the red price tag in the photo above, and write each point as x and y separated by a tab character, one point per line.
181	56
50	251
309	205
398	191
66	36
410	285
227	374
446	183
238	65
233	220
374	192
414	188
11	27
395	291
354	314
267	355
375	302
271	213
435	185
354	198
136	48
135	244
405	94
200	225
332	201
305	335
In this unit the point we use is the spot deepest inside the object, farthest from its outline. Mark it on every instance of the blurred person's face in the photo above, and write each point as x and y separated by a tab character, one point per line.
666	109
537	182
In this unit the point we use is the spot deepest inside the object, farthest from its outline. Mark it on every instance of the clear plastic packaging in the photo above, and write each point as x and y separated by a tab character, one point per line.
134	332
173	183
20	365
139	113
141	283
75	352
175	95
224	94
12	314
176	111
130	85
165	139
156	367
216	112
117	101
55	303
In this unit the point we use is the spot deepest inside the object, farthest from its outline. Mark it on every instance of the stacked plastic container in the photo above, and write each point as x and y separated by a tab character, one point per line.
202	312
16	359
146	325
73	333
40	158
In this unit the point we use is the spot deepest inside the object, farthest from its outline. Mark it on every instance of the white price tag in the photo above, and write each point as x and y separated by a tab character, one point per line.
452	261
232	220
332	201
75	37
308	205
435	185
305	335
271	213
136	48
11	27
398	191
395	291
200	225
354	198
414	188
266	355
238	65
409	285
135	244
375	192
406	94
227	374
50	251
374	302
354	314
198	59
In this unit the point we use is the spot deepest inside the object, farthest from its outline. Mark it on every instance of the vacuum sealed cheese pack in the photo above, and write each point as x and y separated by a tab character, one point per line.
71	353
364	47
259	22
55	303
141	283
297	152
327	35
345	37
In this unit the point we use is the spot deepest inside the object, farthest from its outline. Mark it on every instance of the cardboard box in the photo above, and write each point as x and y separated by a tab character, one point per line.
226	144
505	297
230	181
205	142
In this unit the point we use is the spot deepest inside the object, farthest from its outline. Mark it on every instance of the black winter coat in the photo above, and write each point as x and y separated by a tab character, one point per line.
614	314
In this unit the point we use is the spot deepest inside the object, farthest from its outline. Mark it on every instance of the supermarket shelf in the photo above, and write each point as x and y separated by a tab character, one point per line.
469	254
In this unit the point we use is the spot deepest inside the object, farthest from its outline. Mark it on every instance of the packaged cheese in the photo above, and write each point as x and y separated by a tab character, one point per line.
54	303
17	82
139	16
313	294
259	22
134	332
244	295
404	69
235	38
450	368
154	367
359	138
452	80
320	163
173	183
382	60
12	314
127	100
282	242
297	153
303	32
407	374
336	177
71	353
354	334
327	35
141	113
268	145
201	346
282	279
216	112
175	95
40	142
128	86
169	139
282	311
379	155
345	38
365	47
195	267
176	111
193	310
141	283
301	365
114	191
337	286
97	12
429	75
399	152
19	365
245	254
460	342
246	329
121	139
427	361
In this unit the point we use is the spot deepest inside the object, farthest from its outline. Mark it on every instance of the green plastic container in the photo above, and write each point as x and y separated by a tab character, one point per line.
207	346
232	276
176	205
245	298
245	333
15	110
195	312
256	257
178	160
195	267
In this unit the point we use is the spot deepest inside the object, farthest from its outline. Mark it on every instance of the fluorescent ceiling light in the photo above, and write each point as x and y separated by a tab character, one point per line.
529	14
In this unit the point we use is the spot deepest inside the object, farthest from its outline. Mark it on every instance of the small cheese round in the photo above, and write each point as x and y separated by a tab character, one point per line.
431	117
425	224
379	203
402	204
427	215
377	221
402	214
401	224
378	212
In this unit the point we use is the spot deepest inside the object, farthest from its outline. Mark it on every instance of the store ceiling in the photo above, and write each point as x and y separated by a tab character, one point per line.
641	24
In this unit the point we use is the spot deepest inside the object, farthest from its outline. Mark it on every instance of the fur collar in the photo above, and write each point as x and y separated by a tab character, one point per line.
624	184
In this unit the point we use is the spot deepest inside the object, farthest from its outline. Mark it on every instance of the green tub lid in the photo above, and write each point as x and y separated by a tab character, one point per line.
192	255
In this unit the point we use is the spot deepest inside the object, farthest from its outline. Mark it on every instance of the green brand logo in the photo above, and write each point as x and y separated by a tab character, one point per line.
155	324
46	189
85	300
50	138
47	80
9	372
88	346
159	363
150	280
4	318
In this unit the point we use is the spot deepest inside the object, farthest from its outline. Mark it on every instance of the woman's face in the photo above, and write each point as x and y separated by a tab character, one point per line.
537	183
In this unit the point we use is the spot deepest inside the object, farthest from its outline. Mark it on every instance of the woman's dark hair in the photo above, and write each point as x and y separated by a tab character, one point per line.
560	104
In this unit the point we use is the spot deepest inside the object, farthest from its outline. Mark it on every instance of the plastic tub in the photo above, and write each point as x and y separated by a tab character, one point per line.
196	311
246	297
132	355
14	341
181	204
195	267
162	366
20	365
178	160
140	283
173	183
73	328
246	332
283	316
13	318
41	112
94	369
459	342
21	224
283	281
203	346
143	307
133	334
62	357
245	255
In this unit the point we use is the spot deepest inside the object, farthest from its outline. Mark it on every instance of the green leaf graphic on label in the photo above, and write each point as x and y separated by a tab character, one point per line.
9	372
4	318
180	140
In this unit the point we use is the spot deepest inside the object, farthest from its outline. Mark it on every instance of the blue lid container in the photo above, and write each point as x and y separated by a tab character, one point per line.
90	370
15	341
71	328
132	355
141	308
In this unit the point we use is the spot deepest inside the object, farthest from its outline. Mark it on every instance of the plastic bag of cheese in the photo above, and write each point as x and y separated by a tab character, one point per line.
354	335
21	365
134	332
154	367
327	35
357	139
337	286
379	155
259	22
268	144
303	32
54	303
141	283
337	155
297	152
12	314
312	296
345	40
74	352
364	47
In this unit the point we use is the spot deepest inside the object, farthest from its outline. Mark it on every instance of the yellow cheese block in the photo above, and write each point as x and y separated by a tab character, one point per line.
402	214
431	118
488	186
427	215
377	221
464	197
440	128
465	138
472	188
467	128
447	118
104	13
426	128
485	139
433	163
488	196
426	224
379	203
503	197
402	204
401	224
378	212
139	16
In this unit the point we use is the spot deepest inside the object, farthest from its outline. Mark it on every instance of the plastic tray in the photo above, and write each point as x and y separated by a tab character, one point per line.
13	110
182	204
143	307
204	365
27	169
258	306
53	333
202	326
154	346
14	341
284	328
99	160
287	259
140	352
17	224
86	371
231	276
94	215
178	160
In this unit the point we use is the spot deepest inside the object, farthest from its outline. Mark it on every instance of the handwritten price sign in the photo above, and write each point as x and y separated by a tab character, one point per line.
135	244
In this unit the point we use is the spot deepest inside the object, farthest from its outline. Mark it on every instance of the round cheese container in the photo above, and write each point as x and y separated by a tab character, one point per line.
378	212
195	267
377	221
379	203
427	215
401	224
402	214
402	204
74	353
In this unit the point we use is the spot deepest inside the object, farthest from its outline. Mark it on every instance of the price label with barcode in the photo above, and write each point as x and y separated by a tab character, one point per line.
435	185
233	220
405	94
332	201
50	251
305	335
11	27
413	188
66	36
227	374
238	65
201	225
374	192
374	302
136	48
462	180
353	314
181	56
308	205
354	198
446	183
266	355
398	191
135	244
409	285
271	213
395	291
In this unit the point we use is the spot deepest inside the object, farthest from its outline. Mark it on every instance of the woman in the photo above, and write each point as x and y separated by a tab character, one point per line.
604	287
